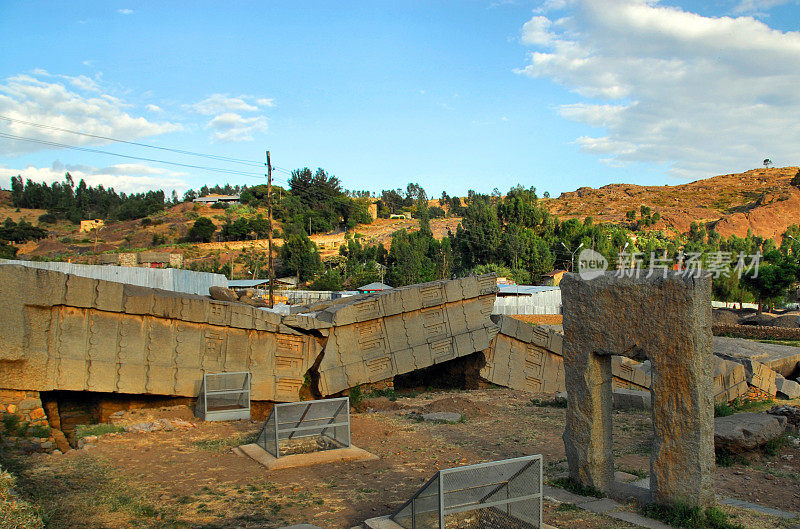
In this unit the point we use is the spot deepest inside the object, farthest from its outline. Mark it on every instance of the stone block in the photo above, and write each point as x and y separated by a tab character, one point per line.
81	291
110	296
613	315
631	399
138	300
787	389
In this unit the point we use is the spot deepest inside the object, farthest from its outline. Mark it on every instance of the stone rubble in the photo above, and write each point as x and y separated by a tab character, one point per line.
747	431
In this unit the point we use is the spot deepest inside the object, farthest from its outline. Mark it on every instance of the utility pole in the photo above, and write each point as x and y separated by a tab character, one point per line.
269	234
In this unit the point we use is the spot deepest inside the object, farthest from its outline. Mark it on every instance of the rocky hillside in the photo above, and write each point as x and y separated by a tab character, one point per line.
761	200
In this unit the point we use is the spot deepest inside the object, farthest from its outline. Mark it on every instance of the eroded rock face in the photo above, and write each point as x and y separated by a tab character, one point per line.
668	321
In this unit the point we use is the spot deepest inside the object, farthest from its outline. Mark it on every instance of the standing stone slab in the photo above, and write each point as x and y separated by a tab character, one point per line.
666	320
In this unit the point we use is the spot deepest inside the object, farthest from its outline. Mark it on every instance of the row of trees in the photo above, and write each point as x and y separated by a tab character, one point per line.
65	200
515	236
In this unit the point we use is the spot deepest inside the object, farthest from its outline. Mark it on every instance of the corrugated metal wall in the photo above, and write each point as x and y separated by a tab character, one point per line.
546	302
172	279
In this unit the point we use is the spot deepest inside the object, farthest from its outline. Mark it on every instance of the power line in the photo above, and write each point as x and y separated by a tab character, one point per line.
252	163
97	151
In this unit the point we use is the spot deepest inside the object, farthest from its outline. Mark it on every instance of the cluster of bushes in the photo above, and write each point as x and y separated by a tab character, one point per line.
647	217
22	231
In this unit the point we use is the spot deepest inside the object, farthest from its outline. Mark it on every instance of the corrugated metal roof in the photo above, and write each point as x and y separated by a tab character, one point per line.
523	290
246	283
375	286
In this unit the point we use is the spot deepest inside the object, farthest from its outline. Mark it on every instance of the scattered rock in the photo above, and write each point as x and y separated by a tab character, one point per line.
254	302
222	294
792	414
746	431
442	416
788	389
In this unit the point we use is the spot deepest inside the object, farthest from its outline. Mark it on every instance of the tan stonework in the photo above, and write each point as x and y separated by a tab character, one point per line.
668	321
524	357
377	336
73	333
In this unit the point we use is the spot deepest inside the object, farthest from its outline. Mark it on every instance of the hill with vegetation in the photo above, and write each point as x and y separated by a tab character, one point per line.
762	201
328	239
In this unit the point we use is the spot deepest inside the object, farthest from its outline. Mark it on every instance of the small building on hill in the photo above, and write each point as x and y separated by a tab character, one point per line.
89	225
213	199
144	259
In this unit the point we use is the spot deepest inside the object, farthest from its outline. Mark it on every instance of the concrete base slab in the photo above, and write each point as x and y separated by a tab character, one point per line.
261	456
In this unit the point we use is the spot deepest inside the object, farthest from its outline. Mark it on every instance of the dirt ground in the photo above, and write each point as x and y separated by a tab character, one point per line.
193	478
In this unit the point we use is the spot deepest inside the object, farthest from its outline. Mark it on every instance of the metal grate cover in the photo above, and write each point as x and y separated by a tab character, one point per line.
224	397
500	494
308	426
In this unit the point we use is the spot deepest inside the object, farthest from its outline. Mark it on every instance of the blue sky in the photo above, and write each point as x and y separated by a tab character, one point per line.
555	94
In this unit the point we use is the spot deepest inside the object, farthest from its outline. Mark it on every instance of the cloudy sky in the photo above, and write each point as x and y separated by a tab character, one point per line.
555	94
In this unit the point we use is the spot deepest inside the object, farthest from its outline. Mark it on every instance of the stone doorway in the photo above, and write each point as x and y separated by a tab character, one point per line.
665	319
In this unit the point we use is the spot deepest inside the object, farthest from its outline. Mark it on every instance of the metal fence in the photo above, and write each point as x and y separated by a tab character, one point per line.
304	427
501	494
173	279
528	300
224	397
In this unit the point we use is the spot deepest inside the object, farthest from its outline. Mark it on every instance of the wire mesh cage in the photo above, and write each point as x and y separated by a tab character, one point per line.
224	397
498	495
304	427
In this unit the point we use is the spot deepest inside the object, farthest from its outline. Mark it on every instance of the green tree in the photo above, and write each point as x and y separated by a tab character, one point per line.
300	256
796	180
202	230
776	273
330	280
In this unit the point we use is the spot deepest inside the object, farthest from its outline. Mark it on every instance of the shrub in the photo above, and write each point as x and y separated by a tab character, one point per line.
682	515
574	487
356	396
47	218
39	430
11	423
85	430
796	180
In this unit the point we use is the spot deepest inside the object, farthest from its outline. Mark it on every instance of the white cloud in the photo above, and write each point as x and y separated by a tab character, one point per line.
227	122
218	103
125	11
233	127
85	109
537	31
758	7
154	108
128	178
702	95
